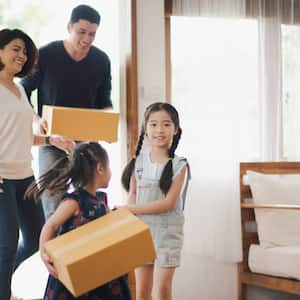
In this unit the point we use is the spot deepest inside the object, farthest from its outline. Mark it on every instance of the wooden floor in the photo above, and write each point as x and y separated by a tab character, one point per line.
198	278
205	278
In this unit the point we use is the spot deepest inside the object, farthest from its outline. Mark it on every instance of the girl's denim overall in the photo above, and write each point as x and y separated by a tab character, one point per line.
166	228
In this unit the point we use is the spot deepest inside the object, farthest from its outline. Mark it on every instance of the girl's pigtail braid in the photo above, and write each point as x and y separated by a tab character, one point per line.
165	180
55	180
126	175
174	144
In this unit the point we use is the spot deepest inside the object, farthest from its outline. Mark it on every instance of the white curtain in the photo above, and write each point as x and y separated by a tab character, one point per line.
221	8
269	74
231	132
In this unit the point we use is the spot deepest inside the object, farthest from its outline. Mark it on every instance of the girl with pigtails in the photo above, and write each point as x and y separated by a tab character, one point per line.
156	181
85	171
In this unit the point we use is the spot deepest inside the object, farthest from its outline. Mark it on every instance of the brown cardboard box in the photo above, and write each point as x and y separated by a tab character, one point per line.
82	124
101	250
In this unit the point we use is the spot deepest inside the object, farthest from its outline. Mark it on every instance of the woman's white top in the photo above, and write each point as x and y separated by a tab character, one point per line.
16	134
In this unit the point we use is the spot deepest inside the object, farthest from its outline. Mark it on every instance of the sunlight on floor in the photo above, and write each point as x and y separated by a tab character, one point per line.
34	269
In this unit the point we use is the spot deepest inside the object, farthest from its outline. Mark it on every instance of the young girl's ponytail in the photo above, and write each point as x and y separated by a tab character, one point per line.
166	178
76	171
126	175
55	180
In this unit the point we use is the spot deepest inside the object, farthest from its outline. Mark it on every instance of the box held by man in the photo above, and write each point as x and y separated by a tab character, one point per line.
82	124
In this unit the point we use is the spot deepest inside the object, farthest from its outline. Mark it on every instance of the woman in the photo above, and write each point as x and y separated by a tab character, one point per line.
18	55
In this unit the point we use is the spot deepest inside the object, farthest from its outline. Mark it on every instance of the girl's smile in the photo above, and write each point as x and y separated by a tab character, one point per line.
160	129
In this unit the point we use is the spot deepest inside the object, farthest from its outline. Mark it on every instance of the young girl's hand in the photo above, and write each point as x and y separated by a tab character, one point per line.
131	208
119	206
49	264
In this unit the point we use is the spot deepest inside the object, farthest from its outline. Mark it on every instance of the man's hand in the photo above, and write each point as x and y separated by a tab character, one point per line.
62	143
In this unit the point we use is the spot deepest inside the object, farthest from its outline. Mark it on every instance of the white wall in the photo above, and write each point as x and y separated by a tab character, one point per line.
198	277
151	53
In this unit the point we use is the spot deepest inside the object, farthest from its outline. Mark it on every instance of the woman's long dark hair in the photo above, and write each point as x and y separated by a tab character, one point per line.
7	35
77	170
167	173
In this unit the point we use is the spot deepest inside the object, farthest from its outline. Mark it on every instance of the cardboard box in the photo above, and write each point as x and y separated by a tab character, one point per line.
101	250
81	124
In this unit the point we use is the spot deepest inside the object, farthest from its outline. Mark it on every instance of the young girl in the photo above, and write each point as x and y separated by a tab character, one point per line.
86	170
155	181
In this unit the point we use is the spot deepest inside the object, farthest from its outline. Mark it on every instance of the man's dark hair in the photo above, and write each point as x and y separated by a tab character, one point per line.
85	12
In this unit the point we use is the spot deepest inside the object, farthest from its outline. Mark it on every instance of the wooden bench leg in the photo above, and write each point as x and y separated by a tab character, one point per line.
242	291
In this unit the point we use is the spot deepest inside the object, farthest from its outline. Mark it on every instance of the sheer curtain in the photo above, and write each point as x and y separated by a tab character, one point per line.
238	127
221	8
291	91
271	15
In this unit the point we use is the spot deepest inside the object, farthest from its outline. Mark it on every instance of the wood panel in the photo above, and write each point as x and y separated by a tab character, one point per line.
131	84
131	99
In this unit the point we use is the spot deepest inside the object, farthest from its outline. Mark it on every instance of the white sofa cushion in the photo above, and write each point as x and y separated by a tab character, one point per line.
276	227
276	261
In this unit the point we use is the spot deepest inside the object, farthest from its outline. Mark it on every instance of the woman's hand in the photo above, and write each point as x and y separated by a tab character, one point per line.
62	143
49	264
40	125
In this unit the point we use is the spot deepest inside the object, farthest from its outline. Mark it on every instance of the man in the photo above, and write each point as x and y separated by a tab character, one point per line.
71	73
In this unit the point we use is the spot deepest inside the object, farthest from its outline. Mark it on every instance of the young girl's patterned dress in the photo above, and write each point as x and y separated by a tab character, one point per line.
91	207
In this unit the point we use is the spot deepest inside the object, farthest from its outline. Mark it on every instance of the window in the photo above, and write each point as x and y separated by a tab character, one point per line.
215	88
214	84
